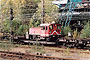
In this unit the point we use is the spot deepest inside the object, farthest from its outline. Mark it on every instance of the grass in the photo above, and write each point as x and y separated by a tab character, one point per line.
67	51
5	47
37	48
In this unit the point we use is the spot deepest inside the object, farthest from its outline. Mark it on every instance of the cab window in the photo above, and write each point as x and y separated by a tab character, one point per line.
43	28
51	27
58	26
46	28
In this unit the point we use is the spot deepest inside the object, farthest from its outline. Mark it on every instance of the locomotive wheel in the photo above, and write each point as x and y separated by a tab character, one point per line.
64	44
34	36
73	45
47	39
30	37
68	45
77	45
83	45
57	42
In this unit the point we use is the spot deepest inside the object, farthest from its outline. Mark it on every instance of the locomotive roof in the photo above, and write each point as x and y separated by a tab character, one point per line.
46	24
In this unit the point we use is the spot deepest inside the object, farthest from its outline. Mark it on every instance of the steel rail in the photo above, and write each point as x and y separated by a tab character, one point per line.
24	56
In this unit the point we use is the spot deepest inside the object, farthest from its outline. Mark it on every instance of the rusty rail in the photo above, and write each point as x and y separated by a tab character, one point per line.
71	51
64	50
23	56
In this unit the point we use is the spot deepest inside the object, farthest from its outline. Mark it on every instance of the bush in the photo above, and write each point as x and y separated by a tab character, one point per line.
17	27
85	33
66	30
34	23
76	34
22	29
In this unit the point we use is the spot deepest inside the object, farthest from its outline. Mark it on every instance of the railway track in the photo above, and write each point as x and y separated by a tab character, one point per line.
71	50
23	56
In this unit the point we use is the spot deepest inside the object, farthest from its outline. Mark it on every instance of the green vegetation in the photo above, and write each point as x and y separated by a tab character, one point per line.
5	47
51	11
76	34
27	13
17	28
38	48
66	30
20	7
22	29
67	51
85	33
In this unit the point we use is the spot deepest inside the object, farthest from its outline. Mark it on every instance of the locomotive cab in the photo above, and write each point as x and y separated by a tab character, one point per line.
50	31
54	31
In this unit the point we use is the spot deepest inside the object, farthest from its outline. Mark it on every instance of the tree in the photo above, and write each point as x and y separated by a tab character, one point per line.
85	33
22	29
35	21
28	9
17	6
18	28
51	11
66	30
21	9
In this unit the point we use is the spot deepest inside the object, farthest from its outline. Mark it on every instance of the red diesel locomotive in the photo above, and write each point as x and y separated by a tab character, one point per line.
46	31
